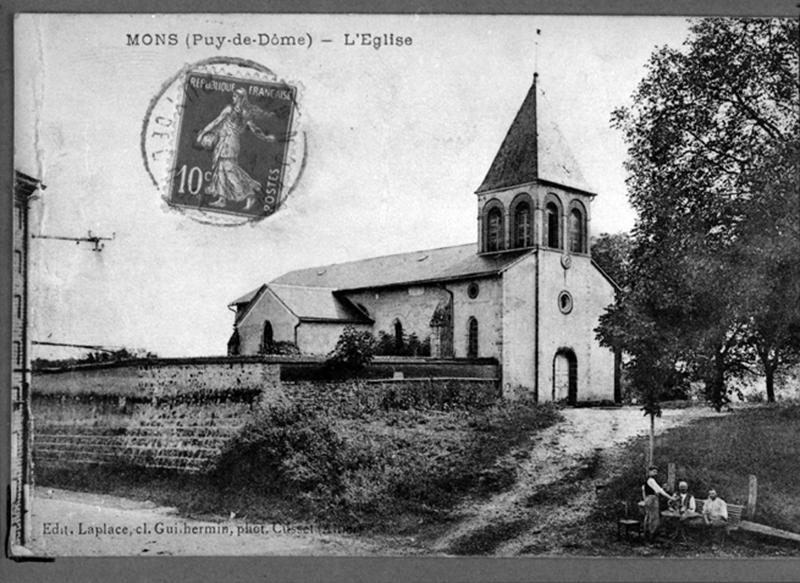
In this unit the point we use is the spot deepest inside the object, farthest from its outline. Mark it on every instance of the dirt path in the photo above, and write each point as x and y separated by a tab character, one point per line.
524	519
67	523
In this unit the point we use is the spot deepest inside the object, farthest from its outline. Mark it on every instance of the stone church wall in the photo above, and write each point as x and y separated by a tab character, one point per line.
319	338
519	328
413	306
251	329
486	308
591	294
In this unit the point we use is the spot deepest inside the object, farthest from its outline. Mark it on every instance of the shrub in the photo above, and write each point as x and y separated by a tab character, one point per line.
353	352
284	448
281	349
381	470
386	345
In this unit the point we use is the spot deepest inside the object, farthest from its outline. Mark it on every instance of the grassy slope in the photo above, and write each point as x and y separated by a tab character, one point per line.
722	452
405	469
719	452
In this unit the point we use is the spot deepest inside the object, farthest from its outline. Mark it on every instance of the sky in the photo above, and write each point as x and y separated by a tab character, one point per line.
397	141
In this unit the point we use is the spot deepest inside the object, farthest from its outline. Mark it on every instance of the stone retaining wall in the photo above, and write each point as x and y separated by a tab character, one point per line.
180	414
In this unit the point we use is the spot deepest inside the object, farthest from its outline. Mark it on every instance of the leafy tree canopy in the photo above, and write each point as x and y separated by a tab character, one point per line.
613	254
712	165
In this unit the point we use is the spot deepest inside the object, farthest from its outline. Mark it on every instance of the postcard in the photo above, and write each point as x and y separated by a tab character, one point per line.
392	285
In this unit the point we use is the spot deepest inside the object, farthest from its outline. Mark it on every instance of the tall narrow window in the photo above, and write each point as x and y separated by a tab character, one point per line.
18	260
576	238
494	230
522	225
18	305
398	335
472	338
266	337
17	352
553	231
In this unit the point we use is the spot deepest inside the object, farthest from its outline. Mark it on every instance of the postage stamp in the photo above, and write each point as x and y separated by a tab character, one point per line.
232	145
221	141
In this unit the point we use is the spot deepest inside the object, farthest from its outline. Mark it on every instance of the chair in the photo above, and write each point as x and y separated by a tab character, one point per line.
625	523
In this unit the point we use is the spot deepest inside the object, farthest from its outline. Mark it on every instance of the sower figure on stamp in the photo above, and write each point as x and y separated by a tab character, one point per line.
229	181
650	492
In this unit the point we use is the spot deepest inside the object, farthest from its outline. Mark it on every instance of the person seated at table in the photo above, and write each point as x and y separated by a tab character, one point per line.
650	492
684	502
685	506
715	514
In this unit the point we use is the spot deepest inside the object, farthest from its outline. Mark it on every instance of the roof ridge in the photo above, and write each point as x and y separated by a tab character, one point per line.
298	285
374	257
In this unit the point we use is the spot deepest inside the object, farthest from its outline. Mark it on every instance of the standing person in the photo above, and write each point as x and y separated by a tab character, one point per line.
229	181
650	492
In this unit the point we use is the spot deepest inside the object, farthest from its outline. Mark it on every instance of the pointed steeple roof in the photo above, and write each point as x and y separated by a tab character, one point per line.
534	149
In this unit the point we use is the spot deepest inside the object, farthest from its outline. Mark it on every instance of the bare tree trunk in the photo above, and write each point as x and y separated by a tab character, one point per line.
650	456
718	383
770	374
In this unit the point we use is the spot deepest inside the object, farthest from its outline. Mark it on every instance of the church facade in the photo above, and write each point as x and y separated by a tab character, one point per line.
527	293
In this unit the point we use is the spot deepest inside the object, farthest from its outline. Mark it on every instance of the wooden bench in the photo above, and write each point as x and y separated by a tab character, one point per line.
734	517
734	514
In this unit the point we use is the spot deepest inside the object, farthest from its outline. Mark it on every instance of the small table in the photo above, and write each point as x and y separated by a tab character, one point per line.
679	521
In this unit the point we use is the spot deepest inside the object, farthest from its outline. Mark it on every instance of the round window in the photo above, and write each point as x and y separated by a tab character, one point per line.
565	302
473	290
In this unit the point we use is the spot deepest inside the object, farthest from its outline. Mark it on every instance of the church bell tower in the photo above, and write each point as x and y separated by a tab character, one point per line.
534	194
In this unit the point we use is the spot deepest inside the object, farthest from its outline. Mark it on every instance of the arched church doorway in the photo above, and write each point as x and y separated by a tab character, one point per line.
565	376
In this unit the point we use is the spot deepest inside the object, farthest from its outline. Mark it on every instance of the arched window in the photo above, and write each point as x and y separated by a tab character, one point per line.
553	226
576	236
266	337
523	235
398	335
494	230
472	338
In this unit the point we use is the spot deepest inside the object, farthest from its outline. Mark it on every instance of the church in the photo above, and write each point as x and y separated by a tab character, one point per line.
527	293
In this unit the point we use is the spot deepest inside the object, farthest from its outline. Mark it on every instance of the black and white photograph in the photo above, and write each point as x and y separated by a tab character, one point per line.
385	285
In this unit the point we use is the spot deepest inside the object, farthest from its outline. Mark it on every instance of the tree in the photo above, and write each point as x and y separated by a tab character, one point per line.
712	150
353	352
613	254
767	255
653	367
